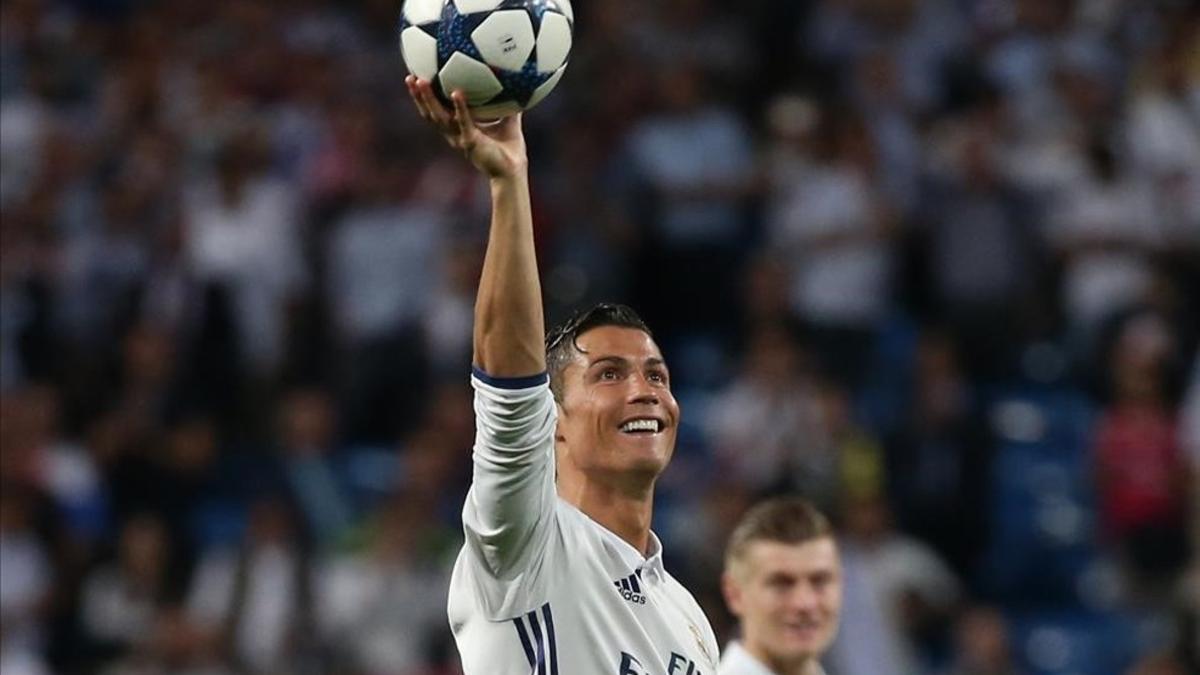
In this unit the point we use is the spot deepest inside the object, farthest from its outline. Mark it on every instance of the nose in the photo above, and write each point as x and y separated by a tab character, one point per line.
804	598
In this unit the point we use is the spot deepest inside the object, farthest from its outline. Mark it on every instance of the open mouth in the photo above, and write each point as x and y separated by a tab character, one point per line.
806	629
642	425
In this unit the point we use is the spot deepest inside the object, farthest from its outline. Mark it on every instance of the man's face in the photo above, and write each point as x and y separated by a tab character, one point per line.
788	597
617	413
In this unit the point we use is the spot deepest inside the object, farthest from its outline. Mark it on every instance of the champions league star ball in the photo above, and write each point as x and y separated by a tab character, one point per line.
505	55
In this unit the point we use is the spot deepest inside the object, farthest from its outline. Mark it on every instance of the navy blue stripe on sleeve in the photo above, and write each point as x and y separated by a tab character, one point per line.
550	634
524	635
541	644
510	382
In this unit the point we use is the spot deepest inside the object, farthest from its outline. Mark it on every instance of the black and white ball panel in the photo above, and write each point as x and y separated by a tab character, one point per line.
505	55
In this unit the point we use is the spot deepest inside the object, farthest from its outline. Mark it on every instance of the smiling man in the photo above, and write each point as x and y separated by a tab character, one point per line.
783	580
560	573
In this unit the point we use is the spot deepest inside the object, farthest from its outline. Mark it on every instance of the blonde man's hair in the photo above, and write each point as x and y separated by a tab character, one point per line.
784	520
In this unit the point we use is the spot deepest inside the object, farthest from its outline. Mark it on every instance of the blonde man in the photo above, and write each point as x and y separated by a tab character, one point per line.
783	580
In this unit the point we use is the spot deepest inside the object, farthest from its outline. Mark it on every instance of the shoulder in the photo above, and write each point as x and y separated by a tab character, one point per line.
735	660
688	603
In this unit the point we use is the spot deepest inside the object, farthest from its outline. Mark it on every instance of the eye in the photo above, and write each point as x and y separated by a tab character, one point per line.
609	374
657	376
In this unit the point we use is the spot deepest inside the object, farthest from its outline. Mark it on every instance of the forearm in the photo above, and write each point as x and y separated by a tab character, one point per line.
509	323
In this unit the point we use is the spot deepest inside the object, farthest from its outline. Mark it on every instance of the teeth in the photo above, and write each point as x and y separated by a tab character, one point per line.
640	425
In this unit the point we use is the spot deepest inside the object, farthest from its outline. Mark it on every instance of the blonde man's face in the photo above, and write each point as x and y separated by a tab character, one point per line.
788	597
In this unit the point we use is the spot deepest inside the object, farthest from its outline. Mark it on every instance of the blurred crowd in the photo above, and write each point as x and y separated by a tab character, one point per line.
934	264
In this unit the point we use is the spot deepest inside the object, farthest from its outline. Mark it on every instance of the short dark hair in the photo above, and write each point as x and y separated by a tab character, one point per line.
561	345
785	520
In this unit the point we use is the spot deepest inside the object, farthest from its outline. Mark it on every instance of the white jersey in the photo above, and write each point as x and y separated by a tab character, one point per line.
738	661
540	588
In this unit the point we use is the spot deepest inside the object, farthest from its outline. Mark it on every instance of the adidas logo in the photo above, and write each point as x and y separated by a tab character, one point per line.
630	588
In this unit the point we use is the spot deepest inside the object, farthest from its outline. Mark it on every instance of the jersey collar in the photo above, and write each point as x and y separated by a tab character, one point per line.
653	564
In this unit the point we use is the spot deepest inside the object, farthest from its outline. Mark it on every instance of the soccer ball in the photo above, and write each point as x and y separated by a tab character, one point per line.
505	55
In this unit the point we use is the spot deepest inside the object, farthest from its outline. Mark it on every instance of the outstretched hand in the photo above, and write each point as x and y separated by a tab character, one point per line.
497	149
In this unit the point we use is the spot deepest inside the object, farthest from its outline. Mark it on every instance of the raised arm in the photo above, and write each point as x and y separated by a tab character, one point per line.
509	325
509	511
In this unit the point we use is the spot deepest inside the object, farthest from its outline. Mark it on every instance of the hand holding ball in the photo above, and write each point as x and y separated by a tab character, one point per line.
505	55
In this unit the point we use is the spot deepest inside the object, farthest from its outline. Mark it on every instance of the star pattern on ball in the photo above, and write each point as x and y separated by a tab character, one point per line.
506	55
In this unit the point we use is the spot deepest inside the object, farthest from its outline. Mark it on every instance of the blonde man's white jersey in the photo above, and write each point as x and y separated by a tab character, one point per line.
540	588
738	661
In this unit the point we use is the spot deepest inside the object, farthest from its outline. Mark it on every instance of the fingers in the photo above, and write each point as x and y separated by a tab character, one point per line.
428	105
415	94
461	113
455	123
465	135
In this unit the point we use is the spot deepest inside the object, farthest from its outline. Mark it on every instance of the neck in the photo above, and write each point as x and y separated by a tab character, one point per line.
802	666
623	511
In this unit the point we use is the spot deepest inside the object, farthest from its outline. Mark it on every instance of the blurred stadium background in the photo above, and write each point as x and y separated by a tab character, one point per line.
933	263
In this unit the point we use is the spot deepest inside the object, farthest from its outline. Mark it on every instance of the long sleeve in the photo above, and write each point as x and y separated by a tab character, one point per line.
511	505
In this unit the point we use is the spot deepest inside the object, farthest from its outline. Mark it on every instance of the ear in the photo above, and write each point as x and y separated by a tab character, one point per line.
732	592
559	436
